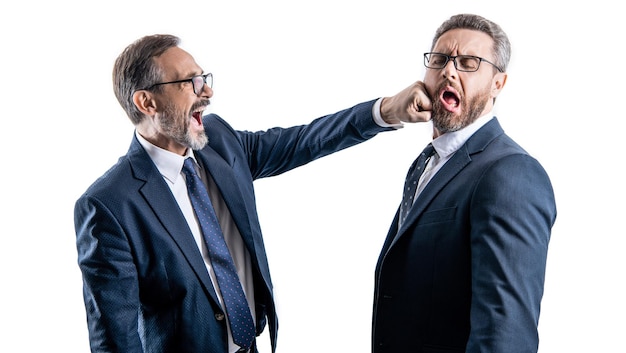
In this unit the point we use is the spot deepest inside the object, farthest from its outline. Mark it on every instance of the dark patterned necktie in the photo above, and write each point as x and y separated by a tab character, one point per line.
412	179
237	309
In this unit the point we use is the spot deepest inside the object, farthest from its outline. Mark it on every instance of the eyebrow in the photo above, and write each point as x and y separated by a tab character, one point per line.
192	74
188	75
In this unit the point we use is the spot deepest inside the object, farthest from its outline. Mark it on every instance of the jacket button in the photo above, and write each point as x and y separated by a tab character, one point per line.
219	316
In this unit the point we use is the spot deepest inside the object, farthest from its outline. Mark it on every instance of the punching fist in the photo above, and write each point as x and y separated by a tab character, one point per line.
411	105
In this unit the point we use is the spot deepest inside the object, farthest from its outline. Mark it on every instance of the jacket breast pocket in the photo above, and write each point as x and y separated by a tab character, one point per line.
438	216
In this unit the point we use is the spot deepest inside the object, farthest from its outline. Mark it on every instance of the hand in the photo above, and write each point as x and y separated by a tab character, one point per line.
411	105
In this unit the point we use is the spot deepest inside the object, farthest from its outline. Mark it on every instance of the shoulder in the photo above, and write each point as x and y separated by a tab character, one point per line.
113	183
213	124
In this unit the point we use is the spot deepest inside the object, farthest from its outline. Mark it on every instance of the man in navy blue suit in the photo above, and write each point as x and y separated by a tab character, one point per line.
463	265
149	284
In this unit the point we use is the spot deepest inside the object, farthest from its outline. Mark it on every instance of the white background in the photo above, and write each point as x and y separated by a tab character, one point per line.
281	63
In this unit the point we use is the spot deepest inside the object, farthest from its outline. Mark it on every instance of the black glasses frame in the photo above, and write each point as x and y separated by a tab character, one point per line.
448	57
206	79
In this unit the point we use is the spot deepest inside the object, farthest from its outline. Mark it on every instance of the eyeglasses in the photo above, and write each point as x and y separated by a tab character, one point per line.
465	63
197	82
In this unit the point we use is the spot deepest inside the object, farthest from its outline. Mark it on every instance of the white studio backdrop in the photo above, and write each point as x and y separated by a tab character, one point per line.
282	63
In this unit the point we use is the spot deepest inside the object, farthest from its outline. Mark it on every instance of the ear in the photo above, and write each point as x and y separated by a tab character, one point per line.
145	102
497	83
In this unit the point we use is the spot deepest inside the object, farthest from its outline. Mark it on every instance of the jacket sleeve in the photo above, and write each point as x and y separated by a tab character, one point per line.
512	214
277	150
110	280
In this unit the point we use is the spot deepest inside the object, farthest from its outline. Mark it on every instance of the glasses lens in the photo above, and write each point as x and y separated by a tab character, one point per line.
200	80
467	63
435	61
198	84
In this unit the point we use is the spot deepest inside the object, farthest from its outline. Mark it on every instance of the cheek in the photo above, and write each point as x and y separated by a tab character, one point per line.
430	84
429	76
485	89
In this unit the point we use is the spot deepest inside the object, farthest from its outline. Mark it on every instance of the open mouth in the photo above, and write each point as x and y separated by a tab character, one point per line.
198	116
197	109
450	99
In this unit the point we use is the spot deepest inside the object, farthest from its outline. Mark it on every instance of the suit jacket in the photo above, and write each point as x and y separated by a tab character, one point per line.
146	287
465	272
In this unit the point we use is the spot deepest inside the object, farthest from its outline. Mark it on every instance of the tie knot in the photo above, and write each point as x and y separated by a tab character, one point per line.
189	168
429	150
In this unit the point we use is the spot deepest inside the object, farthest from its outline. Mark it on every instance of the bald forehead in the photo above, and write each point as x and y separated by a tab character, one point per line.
177	64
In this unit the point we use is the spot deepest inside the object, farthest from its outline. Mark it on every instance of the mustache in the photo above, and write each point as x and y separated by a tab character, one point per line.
201	103
447	83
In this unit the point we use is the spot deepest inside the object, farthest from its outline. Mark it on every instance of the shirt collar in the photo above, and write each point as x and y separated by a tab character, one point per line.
168	163
450	142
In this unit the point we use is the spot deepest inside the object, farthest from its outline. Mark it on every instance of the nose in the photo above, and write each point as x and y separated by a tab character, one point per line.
206	91
449	71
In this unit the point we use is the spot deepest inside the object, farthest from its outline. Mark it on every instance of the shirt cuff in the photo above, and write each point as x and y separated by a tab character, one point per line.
378	119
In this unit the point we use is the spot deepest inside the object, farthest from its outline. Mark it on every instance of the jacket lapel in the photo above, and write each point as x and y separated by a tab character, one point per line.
161	201
226	180
461	159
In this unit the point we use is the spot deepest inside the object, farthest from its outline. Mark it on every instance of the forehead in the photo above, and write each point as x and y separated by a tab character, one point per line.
465	42
176	64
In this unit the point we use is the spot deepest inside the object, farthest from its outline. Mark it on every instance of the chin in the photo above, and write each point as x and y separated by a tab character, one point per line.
197	142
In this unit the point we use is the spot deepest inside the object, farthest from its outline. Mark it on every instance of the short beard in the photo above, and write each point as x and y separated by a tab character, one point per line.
175	125
199	142
445	121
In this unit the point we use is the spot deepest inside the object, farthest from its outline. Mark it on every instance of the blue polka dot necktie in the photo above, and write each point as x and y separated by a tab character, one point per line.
237	309
412	179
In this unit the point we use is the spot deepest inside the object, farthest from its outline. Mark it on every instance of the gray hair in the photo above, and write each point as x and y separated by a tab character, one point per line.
501	44
135	69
